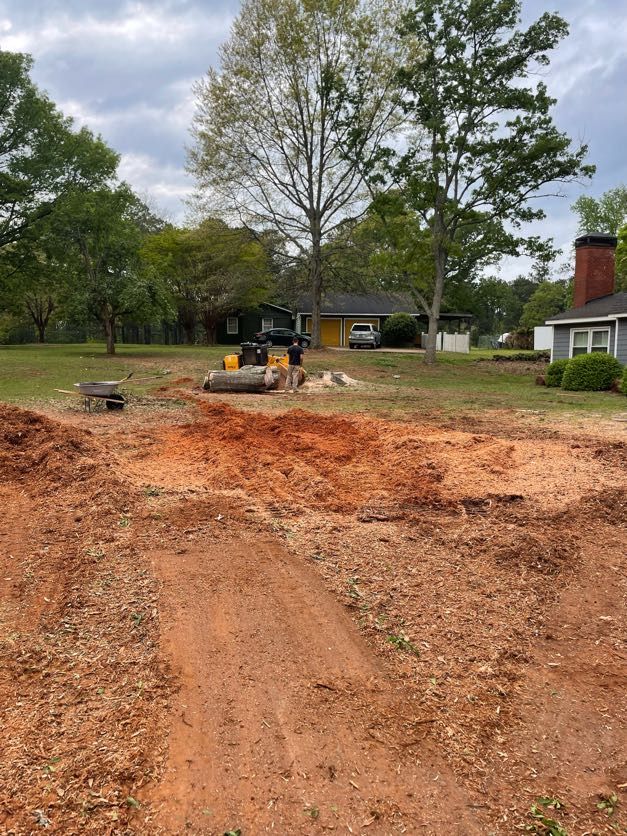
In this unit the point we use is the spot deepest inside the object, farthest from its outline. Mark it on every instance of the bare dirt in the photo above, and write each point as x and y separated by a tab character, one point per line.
216	620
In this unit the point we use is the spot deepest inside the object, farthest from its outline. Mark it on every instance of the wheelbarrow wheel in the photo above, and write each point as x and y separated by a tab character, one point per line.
115	401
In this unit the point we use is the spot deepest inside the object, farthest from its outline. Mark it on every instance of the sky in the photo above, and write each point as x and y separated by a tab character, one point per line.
126	70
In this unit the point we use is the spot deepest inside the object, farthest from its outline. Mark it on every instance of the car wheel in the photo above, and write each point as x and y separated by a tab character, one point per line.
305	343
268	343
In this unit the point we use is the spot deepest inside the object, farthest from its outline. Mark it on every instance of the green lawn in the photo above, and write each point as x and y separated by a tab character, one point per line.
402	383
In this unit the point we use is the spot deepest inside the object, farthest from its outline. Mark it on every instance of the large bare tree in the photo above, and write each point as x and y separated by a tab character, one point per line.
297	112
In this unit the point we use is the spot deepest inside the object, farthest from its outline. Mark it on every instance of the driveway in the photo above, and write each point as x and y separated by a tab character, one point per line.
385	349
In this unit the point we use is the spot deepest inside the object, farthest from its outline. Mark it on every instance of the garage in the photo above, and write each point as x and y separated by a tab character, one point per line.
330	330
348	324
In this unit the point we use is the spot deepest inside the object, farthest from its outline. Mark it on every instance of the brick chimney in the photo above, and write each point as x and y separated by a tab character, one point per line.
594	267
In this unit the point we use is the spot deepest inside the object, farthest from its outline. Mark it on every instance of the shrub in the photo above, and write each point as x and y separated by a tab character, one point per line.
521	338
591	372
398	329
623	384
555	372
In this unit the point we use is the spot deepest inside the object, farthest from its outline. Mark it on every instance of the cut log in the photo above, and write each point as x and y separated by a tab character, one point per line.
246	379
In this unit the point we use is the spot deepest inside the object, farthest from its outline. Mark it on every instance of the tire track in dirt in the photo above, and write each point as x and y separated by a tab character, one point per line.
285	722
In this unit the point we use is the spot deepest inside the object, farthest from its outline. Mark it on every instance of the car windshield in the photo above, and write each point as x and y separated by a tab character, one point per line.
361	328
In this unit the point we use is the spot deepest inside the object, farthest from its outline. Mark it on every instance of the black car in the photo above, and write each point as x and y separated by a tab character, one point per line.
282	336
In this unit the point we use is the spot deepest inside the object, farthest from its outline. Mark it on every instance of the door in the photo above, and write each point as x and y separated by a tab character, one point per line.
330	330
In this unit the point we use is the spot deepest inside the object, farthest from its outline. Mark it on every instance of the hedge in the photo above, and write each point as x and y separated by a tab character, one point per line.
623	385
555	372
591	372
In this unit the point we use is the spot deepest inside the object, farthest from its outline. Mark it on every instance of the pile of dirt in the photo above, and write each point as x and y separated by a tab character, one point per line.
312	460
82	691
40	451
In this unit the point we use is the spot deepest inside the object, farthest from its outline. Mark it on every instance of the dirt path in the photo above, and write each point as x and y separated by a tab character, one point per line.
285	721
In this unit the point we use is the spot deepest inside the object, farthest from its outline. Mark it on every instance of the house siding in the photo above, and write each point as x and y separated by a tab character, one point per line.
621	341
561	337
249	323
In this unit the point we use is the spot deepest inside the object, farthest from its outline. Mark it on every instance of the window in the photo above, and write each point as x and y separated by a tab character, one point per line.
267	323
232	325
589	340
599	341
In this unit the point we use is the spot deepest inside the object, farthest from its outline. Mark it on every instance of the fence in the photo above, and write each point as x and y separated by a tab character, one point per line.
459	343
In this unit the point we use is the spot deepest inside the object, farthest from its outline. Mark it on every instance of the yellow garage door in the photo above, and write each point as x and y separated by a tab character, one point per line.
348	324
330	330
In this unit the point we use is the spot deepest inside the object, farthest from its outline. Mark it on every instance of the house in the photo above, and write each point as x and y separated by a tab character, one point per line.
340	310
598	319
242	326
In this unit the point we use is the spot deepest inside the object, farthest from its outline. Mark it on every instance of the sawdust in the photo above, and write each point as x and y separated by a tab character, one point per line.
82	692
486	570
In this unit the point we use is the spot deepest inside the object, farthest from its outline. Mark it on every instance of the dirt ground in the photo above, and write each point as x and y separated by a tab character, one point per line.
219	620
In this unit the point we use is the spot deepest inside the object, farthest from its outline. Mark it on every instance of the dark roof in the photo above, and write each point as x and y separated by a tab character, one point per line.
615	303
371	304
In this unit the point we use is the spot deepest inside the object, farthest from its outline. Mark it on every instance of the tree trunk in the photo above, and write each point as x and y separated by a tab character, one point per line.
315	282
40	312
439	258
109	326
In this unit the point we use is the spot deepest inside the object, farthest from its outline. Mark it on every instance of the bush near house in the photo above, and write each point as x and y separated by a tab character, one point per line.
398	329
591	372
623	383
555	372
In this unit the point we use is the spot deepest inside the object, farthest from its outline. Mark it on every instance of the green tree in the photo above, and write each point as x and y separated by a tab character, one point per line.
550	298
484	141
621	260
41	157
212	271
106	228
301	85
607	213
39	276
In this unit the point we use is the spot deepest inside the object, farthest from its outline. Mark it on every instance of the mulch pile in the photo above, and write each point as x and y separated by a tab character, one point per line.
82	693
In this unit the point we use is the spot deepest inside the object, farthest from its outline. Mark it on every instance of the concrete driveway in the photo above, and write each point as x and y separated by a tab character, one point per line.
384	349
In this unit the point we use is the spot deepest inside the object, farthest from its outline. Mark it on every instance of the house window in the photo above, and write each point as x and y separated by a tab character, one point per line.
589	340
232	325
267	323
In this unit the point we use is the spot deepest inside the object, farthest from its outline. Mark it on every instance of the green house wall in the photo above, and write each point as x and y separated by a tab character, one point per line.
249	323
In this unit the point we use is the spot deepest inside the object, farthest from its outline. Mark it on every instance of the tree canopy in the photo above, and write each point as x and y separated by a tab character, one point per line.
299	108
41	156
484	143
607	213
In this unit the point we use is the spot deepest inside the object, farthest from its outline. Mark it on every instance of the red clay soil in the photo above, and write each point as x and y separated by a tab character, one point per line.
373	627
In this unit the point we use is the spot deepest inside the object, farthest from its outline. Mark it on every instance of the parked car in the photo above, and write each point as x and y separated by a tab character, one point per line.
282	336
364	335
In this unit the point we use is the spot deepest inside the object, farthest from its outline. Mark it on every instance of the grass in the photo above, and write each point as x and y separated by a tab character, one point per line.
403	385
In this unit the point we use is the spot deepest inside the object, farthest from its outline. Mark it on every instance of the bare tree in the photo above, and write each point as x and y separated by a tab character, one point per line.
286	129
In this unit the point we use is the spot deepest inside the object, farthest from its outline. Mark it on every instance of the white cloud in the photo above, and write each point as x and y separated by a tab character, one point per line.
165	186
143	27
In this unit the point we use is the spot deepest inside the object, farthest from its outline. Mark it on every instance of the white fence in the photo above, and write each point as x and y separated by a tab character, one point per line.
459	343
542	337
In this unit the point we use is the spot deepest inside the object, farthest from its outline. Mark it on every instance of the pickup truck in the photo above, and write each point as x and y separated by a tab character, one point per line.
364	335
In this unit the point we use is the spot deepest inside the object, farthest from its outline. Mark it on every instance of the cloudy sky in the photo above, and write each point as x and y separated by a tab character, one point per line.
126	69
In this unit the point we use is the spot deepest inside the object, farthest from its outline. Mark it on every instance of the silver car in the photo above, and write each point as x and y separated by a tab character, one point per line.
364	335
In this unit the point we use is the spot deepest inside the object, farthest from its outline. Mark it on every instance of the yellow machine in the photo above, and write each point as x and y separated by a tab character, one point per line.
273	360
232	362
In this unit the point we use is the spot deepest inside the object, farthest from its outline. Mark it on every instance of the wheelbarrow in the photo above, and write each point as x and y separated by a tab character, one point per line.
104	391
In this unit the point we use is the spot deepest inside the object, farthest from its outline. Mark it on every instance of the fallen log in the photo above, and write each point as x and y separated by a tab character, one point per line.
246	379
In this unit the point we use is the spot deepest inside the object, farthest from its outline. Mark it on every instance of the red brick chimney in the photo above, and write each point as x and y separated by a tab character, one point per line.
594	267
